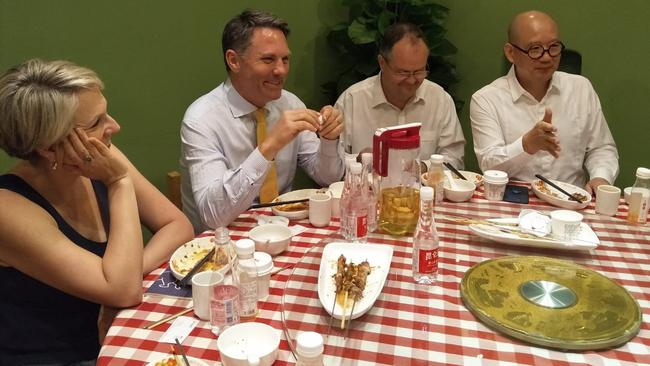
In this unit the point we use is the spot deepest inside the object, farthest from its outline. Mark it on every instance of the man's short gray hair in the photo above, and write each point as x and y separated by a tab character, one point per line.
38	100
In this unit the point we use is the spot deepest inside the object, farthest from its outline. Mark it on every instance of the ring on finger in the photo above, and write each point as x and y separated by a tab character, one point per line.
88	158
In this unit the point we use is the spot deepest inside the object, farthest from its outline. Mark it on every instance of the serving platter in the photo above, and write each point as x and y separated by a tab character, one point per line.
475	178
505	231
556	198
379	257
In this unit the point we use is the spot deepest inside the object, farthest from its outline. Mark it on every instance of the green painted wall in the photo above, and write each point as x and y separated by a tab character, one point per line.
157	56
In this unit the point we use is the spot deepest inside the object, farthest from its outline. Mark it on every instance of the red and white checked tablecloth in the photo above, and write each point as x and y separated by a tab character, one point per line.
405	326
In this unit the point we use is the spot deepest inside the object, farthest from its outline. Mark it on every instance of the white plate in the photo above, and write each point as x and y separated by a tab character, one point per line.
290	196
471	176
586	240
193	361
192	246
378	255
559	199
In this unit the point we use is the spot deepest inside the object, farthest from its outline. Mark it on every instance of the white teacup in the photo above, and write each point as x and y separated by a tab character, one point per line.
202	284
565	224
320	209
607	198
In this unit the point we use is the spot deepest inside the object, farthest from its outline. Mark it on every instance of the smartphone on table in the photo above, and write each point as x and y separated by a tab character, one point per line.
516	194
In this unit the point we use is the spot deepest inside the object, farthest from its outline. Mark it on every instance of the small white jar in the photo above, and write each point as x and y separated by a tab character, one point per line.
494	182
565	224
309	349
264	267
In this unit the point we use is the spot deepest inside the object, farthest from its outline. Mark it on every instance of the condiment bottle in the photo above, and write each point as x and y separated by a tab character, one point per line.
222	254
245	277
639	197
425	241
309	349
436	177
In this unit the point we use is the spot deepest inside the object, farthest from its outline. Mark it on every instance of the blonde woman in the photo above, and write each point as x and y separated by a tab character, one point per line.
70	215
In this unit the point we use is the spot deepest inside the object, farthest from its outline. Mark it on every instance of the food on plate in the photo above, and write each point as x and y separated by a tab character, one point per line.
541	186
478	178
170	361
185	264
350	280
292	207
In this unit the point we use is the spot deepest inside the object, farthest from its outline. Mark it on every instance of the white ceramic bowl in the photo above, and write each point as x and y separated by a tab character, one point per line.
462	191
185	257
271	238
471	176
290	196
244	343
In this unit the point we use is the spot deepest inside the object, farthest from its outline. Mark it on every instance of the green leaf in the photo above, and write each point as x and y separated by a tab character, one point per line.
367	67
384	20
360	34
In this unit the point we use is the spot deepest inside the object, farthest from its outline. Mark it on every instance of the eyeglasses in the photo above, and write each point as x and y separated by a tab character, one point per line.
403	75
537	51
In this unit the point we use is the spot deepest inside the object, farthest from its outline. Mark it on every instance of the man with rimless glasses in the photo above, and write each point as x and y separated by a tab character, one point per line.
537	120
401	94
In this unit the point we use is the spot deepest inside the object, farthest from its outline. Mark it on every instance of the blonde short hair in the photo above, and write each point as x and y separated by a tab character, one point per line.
38	100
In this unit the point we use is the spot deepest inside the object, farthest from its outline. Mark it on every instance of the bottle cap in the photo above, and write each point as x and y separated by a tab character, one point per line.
495	177
262	263
310	344
355	168
221	235
437	159
426	193
643	173
244	247
366	158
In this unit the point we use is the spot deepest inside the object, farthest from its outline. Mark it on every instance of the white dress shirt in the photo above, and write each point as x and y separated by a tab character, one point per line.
365	109
503	111
222	169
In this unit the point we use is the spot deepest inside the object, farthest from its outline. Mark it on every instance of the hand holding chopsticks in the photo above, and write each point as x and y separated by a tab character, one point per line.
550	183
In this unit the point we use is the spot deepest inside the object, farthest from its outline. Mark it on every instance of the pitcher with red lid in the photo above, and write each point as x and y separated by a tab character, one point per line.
396	152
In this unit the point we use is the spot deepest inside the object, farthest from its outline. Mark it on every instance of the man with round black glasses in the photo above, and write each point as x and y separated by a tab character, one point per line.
537	120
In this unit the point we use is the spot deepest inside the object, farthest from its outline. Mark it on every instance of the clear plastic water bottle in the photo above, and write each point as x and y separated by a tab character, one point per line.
309	349
370	190
222	253
349	159
639	197
354	207
425	241
436	177
245	275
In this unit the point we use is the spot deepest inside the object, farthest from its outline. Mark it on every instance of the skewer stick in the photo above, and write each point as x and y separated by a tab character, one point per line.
345	304
347	330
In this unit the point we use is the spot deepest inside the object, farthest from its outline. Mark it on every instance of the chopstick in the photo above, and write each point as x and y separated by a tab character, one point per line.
168	318
196	267
279	203
547	181
451	167
180	348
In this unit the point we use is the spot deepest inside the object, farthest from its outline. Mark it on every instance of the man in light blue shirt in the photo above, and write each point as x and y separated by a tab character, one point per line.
222	166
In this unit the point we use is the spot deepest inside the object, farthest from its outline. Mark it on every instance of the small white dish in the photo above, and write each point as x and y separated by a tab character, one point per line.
295	211
193	361
246	344
475	178
185	256
379	257
271	238
586	239
462	191
556	198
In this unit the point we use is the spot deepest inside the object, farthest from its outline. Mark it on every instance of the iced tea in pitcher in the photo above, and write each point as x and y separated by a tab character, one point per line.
399	209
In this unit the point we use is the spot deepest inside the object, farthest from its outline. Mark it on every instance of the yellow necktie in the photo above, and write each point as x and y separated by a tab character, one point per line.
269	188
